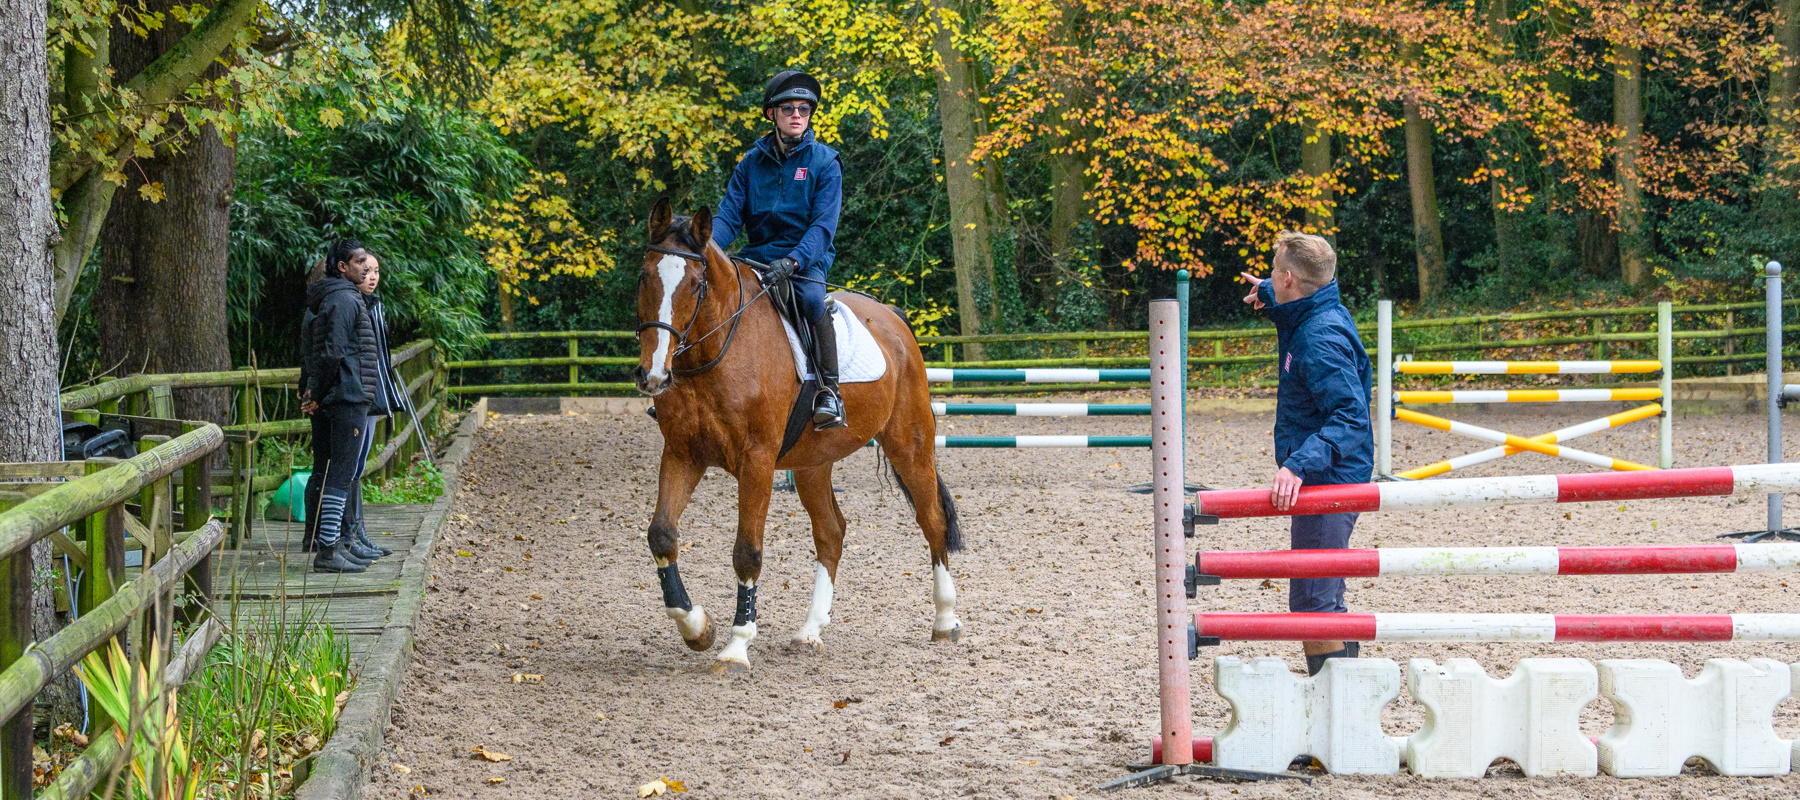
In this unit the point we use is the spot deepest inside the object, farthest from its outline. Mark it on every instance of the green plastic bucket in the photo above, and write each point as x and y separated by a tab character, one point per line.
289	500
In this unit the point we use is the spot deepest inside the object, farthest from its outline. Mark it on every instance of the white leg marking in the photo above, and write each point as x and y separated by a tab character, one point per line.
670	270
943	593
692	622
738	649
819	615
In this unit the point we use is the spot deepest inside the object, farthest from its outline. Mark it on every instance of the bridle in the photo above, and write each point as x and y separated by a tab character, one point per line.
682	345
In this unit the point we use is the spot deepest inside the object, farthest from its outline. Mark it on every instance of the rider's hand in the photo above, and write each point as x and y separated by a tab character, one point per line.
1252	298
781	270
1286	491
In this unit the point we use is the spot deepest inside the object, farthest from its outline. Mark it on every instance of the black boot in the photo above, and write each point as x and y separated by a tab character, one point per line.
335	558
828	406
362	540
1316	663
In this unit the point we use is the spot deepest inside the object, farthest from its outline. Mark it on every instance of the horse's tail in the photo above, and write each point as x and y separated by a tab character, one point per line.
946	502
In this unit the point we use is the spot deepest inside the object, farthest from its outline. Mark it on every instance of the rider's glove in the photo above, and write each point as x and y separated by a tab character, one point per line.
781	270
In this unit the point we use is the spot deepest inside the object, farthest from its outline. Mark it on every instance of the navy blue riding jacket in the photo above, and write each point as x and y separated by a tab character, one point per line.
788	207
1323	433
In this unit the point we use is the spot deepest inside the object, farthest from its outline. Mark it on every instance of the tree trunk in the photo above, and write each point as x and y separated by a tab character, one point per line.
1428	234
1628	117
1068	184
29	428
162	303
1506	224
998	215
969	234
1315	161
1784	84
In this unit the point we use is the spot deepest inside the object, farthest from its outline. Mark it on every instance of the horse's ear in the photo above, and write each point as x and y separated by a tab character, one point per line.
702	226
661	217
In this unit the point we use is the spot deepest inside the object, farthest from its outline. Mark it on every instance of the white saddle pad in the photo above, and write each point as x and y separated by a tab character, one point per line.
860	359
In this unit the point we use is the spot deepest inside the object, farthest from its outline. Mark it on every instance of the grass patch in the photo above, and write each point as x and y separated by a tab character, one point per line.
421	483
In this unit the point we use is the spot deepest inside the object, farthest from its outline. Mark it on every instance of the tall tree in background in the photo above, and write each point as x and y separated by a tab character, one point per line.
1315	163
1500	157
164	252
29	428
971	235
1628	117
1428	233
110	117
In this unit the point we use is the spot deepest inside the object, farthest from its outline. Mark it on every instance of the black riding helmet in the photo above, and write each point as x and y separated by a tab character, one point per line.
792	84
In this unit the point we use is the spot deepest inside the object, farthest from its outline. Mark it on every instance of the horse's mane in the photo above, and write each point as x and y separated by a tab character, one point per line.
682	228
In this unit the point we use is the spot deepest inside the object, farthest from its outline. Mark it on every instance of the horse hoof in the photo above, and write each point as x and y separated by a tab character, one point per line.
704	641
952	635
730	666
813	646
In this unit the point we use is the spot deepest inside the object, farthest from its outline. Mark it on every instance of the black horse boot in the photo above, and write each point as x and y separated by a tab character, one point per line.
828	406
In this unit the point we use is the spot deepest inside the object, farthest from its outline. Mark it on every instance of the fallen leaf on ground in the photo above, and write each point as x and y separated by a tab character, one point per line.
947	740
537	597
653	789
495	779
465	554
525	677
1116	465
402	769
485	754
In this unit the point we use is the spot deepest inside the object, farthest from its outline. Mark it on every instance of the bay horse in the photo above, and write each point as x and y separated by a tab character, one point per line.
714	357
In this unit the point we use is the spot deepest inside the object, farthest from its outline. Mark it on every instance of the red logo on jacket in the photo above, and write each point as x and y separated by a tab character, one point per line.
799	173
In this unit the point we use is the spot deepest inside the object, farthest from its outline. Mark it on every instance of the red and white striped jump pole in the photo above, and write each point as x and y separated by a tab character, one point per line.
1490	492
1292	627
1442	561
1168	389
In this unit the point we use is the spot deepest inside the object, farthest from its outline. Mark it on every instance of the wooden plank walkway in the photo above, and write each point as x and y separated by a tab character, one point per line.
269	574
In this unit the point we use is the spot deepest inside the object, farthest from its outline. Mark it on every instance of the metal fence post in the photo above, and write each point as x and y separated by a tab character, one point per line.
1665	352
1772	339
1384	389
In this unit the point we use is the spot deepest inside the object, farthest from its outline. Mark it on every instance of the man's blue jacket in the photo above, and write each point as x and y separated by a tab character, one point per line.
788	207
1322	429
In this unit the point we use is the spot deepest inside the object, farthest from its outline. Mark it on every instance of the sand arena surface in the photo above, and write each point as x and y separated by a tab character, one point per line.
543	570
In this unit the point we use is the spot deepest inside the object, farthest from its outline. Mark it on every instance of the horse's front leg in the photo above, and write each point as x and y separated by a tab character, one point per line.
674	488
755	482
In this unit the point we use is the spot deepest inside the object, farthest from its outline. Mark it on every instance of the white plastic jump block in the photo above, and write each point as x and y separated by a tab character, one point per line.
1335	717
1726	716
1532	718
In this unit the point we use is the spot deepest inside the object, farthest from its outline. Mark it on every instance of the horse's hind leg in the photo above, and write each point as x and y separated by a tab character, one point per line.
911	451
675	484
755	482
828	525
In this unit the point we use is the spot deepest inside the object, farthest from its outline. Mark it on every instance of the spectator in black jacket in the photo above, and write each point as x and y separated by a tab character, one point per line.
386	401
342	387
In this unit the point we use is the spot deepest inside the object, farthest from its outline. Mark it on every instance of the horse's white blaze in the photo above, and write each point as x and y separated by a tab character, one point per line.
819	615
691	622
670	270
738	649
943	594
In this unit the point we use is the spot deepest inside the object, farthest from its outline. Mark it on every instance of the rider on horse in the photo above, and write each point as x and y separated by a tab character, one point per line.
785	195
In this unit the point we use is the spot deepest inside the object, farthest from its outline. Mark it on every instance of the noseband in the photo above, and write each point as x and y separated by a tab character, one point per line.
682	345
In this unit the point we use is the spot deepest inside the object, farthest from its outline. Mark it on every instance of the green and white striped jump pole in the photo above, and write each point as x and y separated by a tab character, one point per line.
1041	409
1025	442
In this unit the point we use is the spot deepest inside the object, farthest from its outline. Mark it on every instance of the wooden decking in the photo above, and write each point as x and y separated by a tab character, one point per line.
268	574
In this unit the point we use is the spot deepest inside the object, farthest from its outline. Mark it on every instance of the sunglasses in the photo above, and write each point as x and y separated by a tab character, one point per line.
795	110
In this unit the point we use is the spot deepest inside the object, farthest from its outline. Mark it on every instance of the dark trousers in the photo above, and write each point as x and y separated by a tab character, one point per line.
1319	532
338	445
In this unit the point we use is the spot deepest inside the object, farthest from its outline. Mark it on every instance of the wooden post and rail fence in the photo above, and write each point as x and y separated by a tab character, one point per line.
1228	357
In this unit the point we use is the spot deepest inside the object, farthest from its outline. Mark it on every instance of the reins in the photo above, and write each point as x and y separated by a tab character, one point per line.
682	345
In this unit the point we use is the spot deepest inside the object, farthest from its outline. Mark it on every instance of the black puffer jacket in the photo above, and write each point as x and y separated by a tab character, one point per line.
388	399
343	359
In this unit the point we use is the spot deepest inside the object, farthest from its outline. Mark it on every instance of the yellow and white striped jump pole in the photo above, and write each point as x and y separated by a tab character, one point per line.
1562	435
1544	444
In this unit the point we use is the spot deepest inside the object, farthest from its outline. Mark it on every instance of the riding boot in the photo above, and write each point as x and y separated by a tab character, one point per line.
362	538
828	406
335	558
